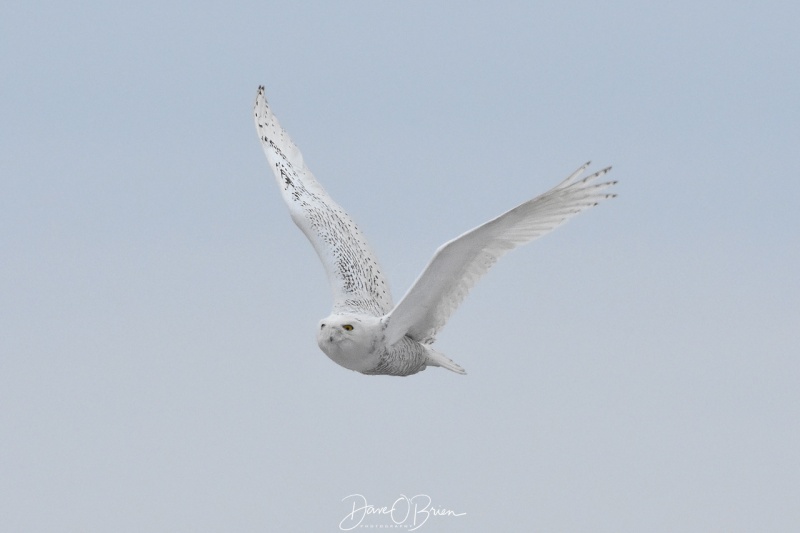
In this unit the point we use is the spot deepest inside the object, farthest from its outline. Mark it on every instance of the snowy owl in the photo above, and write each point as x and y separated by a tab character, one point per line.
367	333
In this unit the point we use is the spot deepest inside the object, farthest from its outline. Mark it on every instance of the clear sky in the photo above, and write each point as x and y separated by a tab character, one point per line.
636	370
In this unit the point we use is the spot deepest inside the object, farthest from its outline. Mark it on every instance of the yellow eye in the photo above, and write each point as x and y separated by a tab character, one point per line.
348	327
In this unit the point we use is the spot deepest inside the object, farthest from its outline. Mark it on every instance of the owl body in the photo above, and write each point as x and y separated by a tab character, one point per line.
358	342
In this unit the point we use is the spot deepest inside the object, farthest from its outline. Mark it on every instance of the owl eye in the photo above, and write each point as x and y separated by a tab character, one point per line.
348	327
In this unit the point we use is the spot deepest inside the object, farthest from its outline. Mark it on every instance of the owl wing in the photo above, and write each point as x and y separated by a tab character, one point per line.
457	265
356	280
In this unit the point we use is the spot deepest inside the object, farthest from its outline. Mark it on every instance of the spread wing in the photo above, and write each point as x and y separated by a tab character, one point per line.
356	280
457	265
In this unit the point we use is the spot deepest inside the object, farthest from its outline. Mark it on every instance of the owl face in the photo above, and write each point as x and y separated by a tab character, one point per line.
350	340
338	329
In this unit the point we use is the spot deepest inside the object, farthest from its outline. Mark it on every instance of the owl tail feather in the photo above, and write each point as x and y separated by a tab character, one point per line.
437	359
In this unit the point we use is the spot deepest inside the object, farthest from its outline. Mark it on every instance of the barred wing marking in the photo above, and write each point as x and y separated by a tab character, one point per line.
356	279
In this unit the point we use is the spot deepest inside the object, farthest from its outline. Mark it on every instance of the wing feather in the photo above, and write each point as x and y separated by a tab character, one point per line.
457	265
356	279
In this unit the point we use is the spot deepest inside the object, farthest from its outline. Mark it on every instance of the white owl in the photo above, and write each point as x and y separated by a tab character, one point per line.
366	332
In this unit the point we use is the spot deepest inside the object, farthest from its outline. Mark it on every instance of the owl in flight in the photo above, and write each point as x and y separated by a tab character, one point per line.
365	331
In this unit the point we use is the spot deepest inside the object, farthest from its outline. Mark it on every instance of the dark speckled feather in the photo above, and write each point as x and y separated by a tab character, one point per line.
356	279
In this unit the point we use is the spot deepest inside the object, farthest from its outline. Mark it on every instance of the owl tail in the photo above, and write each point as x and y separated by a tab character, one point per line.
437	359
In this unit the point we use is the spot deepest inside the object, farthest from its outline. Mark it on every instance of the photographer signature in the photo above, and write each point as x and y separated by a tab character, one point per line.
410	512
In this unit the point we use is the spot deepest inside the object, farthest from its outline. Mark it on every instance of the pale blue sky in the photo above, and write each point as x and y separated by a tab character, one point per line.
637	370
